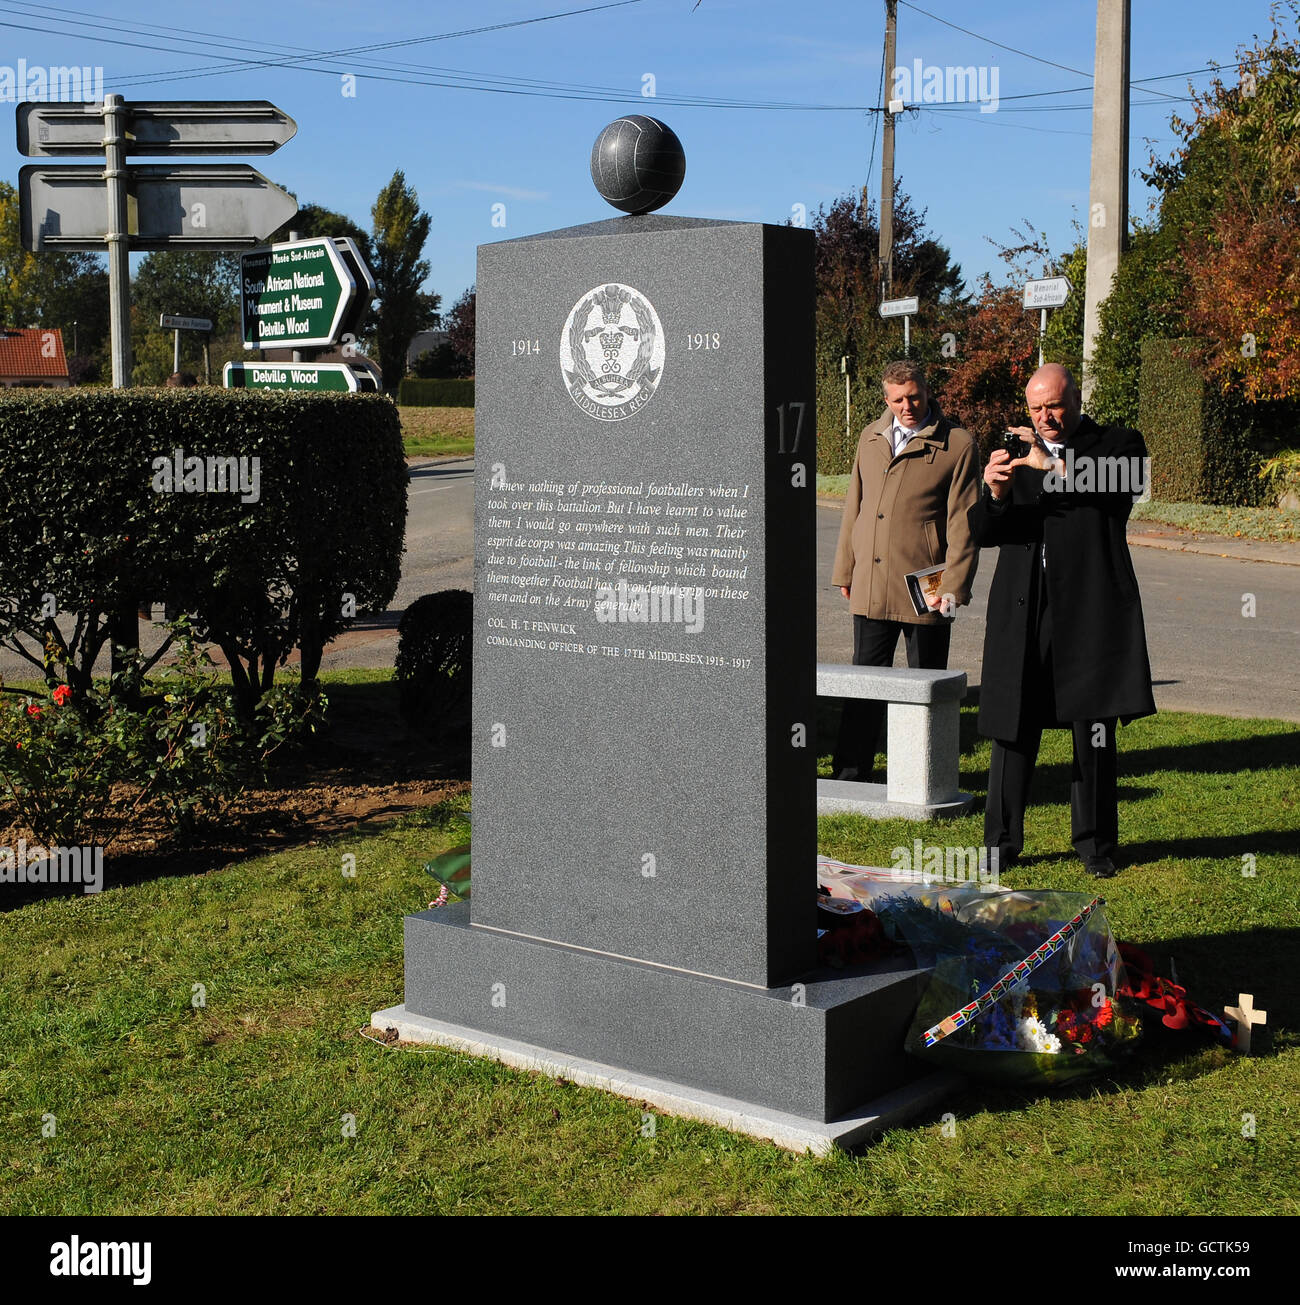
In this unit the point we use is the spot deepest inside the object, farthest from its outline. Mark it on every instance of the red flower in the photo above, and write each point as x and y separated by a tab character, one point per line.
62	694
33	710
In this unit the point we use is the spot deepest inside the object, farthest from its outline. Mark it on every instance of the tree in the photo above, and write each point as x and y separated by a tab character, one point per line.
460	331
51	289
312	221
848	298
1242	290
985	390
998	340
188	285
1218	261
400	231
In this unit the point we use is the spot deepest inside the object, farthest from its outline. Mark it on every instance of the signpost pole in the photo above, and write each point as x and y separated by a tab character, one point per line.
123	622
907	335
297	353
1042	333
848	421
117	239
176	351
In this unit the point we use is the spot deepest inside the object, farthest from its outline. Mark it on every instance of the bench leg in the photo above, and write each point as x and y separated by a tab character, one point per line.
922	764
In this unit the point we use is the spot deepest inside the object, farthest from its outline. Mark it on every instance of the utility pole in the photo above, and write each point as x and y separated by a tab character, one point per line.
887	156
117	239
1108	188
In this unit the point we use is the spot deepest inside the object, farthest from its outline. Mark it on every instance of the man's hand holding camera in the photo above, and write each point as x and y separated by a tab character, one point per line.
1001	464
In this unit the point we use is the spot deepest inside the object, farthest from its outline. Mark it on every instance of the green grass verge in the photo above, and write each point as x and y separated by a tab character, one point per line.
1231	522
239	1105
435	432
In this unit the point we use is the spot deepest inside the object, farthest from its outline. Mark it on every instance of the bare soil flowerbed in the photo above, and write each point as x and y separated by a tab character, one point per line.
363	766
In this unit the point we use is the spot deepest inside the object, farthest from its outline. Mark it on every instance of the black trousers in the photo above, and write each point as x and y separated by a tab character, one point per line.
1094	795
873	645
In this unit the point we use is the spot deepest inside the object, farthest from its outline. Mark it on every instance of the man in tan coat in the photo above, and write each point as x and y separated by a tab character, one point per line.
915	478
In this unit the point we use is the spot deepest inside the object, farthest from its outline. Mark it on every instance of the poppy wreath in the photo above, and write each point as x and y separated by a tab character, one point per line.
1177	1011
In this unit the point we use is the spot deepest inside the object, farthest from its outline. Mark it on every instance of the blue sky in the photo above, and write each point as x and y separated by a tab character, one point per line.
466	150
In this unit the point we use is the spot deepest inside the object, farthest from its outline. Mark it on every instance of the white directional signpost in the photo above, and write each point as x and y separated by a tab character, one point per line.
167	127
203	206
1051	292
178	324
906	309
198	206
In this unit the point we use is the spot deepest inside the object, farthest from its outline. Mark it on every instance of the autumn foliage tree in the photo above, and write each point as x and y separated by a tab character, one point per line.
1242	265
848	319
998	351
996	343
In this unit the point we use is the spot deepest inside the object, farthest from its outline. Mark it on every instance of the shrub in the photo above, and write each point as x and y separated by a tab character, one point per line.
1204	446
88	533
433	665
444	393
178	744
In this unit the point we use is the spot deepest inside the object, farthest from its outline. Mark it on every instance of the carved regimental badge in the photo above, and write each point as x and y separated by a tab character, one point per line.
612	352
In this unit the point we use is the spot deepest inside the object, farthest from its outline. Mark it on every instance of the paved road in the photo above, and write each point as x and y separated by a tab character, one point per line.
1205	654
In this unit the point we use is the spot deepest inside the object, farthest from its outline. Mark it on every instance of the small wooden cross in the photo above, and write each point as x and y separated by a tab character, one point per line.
1246	1015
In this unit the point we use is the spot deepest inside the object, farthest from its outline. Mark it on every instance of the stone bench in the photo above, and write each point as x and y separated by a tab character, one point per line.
922	742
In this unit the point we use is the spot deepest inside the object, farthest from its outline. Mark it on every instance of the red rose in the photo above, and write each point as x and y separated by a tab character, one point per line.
33	710
62	694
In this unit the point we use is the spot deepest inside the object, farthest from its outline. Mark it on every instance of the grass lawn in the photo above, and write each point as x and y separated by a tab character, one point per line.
433	432
1232	522
240	1104
1276	524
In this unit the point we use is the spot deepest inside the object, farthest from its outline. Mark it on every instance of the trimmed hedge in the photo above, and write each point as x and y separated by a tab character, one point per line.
88	516
1205	447
413	392
434	664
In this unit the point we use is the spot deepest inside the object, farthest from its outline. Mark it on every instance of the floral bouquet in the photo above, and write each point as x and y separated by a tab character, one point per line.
1027	986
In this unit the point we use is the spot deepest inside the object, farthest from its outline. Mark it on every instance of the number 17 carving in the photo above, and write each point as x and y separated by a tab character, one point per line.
798	409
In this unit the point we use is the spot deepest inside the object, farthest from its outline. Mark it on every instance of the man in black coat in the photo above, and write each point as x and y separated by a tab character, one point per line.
1065	644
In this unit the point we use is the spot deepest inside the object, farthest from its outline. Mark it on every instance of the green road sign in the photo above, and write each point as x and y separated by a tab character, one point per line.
295	295
289	376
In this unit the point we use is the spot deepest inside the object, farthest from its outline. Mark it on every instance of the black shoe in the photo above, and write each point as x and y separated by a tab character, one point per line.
1006	857
1099	867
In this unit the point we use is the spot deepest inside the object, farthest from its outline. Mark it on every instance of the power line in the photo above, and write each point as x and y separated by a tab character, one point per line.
458	79
1023	53
987	121
448	79
1011	49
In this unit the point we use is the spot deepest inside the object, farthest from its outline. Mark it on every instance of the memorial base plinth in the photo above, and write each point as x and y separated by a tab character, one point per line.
792	1132
811	1053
